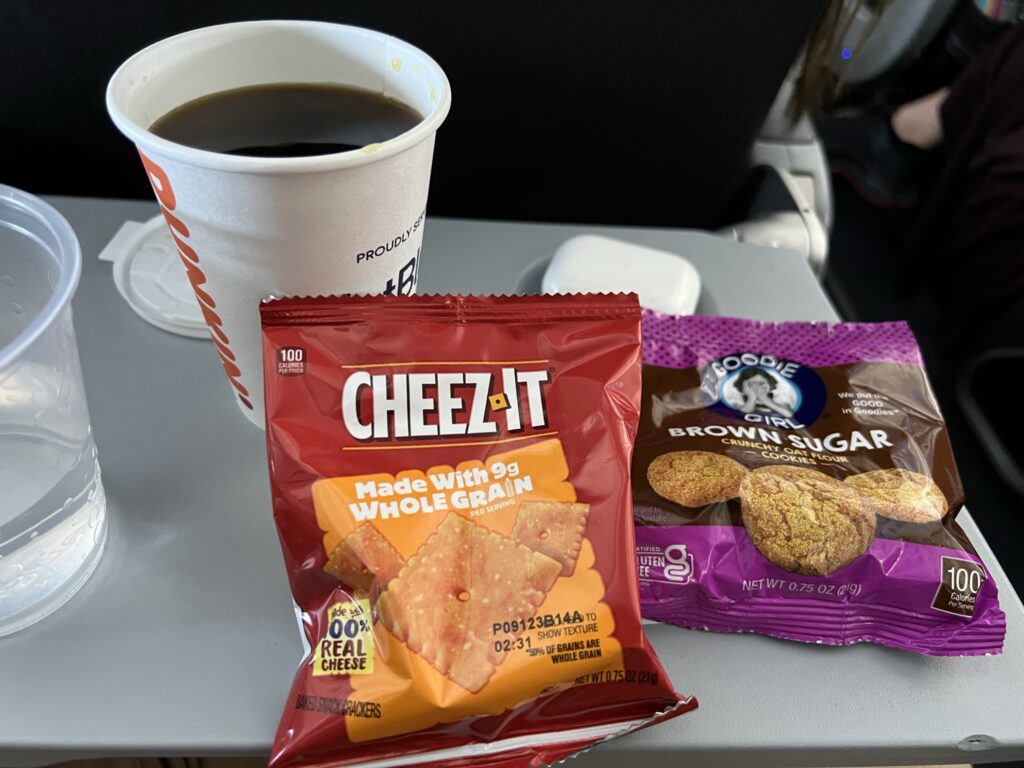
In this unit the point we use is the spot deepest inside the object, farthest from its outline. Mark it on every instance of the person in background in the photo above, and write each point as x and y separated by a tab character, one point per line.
967	243
955	155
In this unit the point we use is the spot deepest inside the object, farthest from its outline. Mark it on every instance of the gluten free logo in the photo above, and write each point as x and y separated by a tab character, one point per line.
671	564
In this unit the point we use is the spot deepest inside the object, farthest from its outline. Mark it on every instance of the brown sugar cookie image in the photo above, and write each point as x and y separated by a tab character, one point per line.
900	494
363	556
695	478
461	581
553	528
803	520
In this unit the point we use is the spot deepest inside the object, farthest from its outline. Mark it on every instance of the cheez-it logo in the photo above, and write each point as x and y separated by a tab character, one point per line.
444	403
165	196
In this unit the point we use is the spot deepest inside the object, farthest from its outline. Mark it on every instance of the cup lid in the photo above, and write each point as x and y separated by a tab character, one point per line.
149	275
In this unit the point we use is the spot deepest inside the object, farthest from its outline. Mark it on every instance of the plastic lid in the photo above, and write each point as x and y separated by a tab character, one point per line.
149	275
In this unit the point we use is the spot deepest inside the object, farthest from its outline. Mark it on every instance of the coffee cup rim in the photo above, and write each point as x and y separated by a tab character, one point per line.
145	139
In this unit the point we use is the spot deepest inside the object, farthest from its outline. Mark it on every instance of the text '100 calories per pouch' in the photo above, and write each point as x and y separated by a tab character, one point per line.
450	478
796	480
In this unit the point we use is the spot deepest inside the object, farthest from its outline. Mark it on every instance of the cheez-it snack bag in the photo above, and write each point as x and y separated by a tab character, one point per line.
450	478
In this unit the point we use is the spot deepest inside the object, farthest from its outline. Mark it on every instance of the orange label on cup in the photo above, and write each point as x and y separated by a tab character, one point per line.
164	192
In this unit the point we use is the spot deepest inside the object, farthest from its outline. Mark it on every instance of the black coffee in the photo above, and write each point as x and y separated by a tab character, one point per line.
286	120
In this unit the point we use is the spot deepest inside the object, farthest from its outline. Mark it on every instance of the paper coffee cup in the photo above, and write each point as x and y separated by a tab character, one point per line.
250	227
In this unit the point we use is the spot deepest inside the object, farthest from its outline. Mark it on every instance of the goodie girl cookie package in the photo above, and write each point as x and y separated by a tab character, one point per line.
796	480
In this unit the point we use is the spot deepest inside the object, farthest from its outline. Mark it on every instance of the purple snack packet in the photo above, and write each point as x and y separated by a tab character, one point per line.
796	480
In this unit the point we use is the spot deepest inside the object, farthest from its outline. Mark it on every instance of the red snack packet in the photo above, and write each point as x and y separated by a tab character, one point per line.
450	478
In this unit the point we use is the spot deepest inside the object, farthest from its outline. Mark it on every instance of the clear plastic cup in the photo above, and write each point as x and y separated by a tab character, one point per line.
52	507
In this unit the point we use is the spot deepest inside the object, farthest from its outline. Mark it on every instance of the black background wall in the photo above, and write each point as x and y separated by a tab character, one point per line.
598	111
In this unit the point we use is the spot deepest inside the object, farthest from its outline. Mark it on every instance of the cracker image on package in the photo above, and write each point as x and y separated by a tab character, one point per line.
363	558
797	480
554	528
463	580
450	478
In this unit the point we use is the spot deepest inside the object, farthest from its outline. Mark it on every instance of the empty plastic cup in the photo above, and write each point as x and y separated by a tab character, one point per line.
52	507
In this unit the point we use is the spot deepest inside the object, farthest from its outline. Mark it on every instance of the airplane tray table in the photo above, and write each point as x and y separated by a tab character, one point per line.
184	642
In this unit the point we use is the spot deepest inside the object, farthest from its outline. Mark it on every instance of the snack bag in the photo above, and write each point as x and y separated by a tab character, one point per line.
450	478
796	480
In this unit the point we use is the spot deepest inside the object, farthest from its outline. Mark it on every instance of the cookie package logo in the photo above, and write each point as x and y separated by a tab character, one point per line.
764	389
444	403
674	563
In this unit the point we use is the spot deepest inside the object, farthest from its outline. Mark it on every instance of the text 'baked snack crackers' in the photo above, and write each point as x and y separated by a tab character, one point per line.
796	479
450	478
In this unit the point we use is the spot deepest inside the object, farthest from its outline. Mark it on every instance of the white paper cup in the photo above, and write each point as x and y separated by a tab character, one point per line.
249	227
